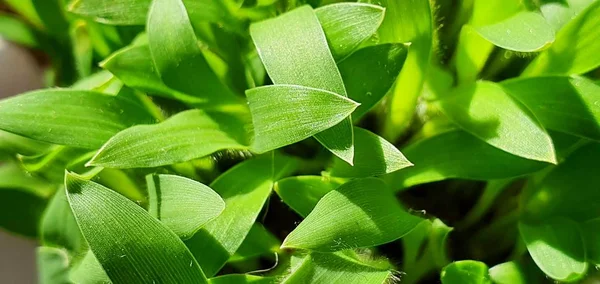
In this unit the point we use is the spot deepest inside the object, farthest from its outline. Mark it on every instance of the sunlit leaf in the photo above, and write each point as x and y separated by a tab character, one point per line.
302	193
243	279
466	272
524	32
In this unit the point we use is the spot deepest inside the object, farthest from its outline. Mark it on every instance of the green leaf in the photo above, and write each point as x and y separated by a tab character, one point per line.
52	164
560	13
370	72
245	188
517	272
51	13
373	156
302	193
16	144
591	234
566	104
25	8
335	268
186	136
575	50
15	30
58	227
258	242
243	279
294	50
555	195
182	204
458	155
89	270
466	272
83	52
81	119
53	265
347	25
485	110
523	32
131	245
360	213
286	114
557	248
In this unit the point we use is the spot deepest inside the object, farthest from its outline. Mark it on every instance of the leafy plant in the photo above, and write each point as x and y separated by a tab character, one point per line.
454	141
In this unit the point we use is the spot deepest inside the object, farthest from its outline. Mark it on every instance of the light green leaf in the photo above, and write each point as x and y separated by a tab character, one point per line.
557	248
591	234
83	52
485	110
302	193
177	55
52	164
286	114
374	156
370	72
15	30
560	13
26	9
259	241
347	25
58	227
53	265
360	213
89	271
74	118
566	104
186	136
294	50
243	279
335	268
466	272
182	204
15	144
523	32
517	272
458	155
245	188
575	50
131	245
555	195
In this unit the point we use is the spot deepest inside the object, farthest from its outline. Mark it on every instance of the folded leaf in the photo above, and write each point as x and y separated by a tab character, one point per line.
347	25
370	72
53	265
466	271
286	114
486	111
374	156
245	189
302	193
566	104
524	32
182	204
557	248
294	50
177	55
74	118
575	50
89	270
186	136
131	245
360	213
458	155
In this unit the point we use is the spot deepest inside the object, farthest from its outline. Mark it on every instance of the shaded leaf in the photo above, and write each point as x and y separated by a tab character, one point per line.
286	114
132	246
58	227
259	241
182	204
466	272
53	265
591	234
557	248
15	144
74	118
15	30
524	32
186	136
360	213
302	193
242	279
294	50
374	156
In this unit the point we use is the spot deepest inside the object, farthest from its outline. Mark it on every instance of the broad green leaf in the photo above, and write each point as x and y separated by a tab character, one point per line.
74	118
15	30
347	25
374	156
286	114
177	55
58	227
557	248
591	234
466	272
243	279
575	50
560	13
336	268
245	188
458	155
131	245
360	213
516	272
485	110
294	50
25	8
102	81
555	195
52	265
524	32
259	241
370	72
182	204
186	136
566	104
302	193
15	144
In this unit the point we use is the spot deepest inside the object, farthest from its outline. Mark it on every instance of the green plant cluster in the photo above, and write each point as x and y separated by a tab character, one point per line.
454	141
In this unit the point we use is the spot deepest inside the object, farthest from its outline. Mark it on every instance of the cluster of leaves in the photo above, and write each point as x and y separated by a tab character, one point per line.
179	119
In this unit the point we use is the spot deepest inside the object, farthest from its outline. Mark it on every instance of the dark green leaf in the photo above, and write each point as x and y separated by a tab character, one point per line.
258	242
591	234
243	279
